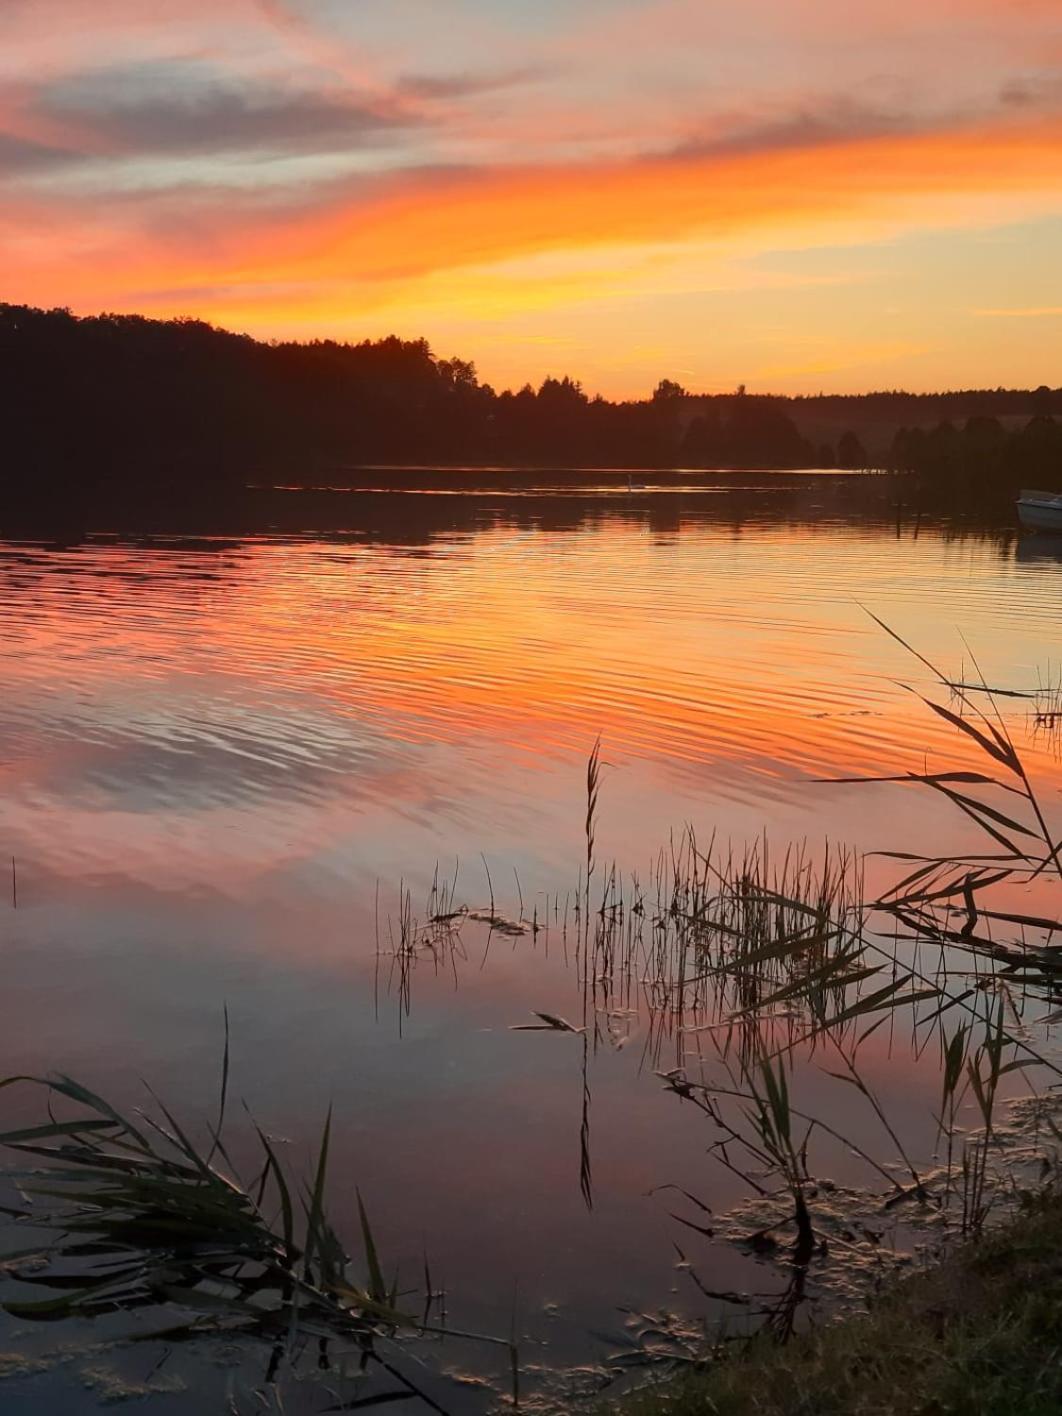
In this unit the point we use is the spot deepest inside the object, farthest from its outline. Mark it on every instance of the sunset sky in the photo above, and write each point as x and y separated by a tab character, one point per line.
793	194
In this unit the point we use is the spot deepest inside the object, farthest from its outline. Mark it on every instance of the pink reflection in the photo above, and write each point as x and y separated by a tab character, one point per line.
214	754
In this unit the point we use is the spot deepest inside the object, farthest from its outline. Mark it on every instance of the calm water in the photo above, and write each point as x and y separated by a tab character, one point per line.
221	758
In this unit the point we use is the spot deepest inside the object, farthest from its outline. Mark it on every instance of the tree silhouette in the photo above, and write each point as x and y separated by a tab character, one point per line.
851	452
667	390
122	405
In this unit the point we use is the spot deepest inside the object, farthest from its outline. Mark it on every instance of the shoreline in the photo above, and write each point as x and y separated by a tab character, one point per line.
978	1333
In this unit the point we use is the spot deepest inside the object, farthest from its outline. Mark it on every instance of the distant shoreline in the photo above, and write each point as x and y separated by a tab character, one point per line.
102	399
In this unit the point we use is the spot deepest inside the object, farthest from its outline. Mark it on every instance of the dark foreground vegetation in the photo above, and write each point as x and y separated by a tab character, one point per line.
978	1335
119	401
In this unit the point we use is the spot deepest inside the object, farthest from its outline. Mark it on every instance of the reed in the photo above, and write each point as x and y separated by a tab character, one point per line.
743	958
133	1216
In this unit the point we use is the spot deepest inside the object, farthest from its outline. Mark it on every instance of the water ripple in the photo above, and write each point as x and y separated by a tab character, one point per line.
208	693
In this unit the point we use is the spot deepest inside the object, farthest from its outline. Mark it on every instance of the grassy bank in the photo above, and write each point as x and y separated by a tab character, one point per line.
981	1335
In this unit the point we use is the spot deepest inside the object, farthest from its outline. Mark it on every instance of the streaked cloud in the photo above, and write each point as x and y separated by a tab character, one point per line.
1035	313
192	108
23	155
818	121
467	85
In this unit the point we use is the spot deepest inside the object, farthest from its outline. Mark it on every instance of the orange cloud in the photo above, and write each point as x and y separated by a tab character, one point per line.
408	229
386	243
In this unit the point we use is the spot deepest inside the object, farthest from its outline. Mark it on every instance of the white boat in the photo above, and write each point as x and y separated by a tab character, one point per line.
1040	511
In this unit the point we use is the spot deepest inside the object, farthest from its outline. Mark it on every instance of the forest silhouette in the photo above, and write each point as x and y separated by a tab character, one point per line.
127	403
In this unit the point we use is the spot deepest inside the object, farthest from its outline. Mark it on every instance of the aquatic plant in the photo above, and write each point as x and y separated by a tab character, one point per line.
137	1218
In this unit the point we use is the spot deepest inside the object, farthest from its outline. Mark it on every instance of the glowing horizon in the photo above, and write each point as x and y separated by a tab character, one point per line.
792	197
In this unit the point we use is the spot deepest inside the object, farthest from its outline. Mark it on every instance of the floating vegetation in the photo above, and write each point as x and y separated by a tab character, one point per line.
549	1023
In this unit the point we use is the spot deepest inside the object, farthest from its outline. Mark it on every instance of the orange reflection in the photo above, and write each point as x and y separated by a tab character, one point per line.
304	701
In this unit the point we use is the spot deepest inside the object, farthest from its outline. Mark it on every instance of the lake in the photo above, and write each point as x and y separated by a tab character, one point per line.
227	754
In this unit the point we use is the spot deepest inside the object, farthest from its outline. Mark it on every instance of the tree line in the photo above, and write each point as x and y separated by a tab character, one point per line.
124	400
983	455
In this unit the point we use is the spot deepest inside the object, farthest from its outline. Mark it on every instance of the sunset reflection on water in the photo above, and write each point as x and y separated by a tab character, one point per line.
214	750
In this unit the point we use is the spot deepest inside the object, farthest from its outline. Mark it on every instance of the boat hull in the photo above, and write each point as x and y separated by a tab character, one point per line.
1040	516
